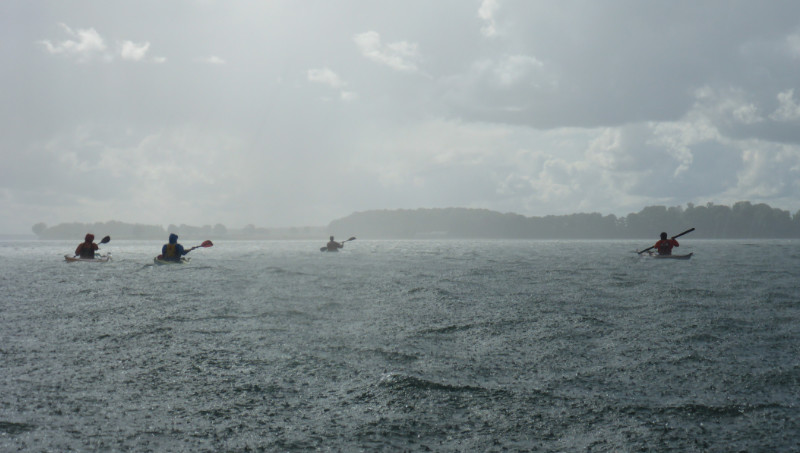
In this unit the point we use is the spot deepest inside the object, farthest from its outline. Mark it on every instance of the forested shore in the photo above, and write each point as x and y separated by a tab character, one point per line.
742	220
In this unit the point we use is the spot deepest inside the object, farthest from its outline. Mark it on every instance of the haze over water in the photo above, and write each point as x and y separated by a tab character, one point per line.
392	345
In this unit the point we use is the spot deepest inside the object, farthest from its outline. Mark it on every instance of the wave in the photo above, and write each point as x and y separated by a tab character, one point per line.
447	329
276	270
394	356
397	381
12	428
701	411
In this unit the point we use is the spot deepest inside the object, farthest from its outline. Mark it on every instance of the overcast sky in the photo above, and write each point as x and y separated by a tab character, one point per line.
294	113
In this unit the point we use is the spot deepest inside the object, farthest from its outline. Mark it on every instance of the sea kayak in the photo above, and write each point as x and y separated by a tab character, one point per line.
158	260
97	259
671	257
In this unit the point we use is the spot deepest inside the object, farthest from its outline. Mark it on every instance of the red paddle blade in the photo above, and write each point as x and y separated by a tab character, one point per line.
206	244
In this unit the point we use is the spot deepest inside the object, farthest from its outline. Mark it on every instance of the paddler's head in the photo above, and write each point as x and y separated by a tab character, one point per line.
173	238
89	237
331	238
663	235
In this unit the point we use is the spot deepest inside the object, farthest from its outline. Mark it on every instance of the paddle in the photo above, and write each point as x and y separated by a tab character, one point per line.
205	244
322	249
673	237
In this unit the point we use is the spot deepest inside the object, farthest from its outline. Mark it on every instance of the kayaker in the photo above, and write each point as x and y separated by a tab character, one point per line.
172	251
86	249
664	246
334	246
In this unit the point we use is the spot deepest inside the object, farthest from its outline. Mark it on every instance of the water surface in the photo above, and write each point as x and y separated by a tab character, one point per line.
401	345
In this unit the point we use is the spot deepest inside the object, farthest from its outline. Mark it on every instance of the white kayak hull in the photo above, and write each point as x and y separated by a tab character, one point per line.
161	261
97	259
672	257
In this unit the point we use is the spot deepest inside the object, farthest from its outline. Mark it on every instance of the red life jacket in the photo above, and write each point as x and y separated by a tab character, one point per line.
86	250
664	246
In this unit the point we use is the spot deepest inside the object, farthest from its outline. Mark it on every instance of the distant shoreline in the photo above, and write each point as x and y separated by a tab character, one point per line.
17	237
743	220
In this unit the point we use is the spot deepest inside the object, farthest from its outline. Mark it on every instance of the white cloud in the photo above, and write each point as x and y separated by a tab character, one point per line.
788	110
559	114
514	68
87	44
132	51
747	114
325	76
769	172
213	59
728	105
400	55
412	150
507	87
348	95
486	12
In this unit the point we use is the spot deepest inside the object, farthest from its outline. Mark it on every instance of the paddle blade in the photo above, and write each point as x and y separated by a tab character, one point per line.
206	244
352	238
106	240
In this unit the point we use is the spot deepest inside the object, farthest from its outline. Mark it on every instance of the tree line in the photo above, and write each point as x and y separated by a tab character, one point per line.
742	220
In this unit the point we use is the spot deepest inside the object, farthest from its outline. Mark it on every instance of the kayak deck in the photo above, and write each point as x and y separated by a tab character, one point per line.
161	261
98	259
672	257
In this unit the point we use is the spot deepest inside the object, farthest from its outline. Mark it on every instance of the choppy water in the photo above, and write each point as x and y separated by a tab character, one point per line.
402	345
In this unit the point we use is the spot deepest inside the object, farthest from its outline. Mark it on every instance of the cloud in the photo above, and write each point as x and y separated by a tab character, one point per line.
213	60
486	12
789	110
515	68
86	45
326	77
520	106
400	55
348	95
768	172
501	88
132	51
